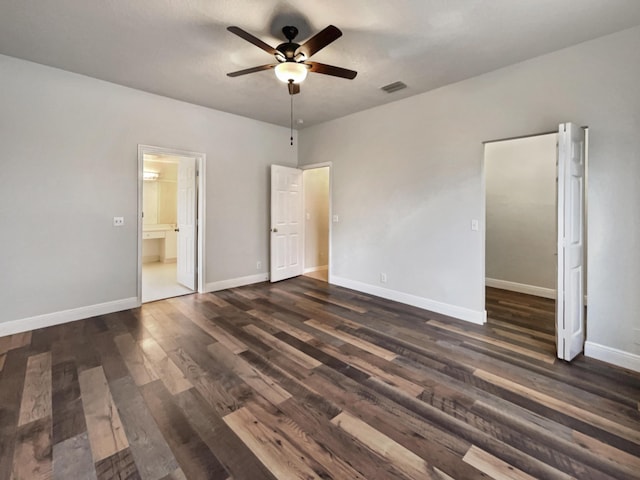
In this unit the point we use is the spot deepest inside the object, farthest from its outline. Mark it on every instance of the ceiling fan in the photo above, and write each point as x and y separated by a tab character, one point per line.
293	58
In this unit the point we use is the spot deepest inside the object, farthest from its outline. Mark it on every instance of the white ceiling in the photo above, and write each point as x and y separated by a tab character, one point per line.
181	48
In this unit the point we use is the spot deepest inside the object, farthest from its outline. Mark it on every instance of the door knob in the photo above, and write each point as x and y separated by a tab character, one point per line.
274	230
176	229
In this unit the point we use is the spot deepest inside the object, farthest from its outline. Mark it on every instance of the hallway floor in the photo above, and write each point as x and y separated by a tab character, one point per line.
159	281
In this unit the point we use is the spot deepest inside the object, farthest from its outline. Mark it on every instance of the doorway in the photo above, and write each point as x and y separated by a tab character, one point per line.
315	185
531	290
170	229
300	240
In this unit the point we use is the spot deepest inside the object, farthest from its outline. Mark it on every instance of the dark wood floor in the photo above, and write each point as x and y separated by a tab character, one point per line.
305	380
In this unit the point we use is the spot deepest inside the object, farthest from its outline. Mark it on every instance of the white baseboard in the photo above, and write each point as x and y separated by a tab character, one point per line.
316	269
612	355
49	319
474	316
235	282
521	288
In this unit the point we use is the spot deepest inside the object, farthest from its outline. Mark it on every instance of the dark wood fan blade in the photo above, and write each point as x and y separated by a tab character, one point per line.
251	70
294	88
319	41
251	39
331	70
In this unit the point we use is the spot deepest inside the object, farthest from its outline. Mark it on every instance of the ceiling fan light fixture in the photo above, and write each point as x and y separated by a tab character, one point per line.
291	71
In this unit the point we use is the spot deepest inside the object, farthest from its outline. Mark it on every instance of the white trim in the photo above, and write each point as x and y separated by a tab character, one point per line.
521	288
201	162
316	269
236	282
49	319
462	313
612	355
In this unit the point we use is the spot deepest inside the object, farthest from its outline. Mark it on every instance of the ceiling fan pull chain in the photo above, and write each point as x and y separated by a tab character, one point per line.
291	119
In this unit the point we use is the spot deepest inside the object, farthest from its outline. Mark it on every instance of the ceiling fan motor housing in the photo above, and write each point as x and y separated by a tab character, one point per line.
288	49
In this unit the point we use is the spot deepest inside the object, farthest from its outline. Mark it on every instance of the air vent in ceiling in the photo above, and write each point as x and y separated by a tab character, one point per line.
394	87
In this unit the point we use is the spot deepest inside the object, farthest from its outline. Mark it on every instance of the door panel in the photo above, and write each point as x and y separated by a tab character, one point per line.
570	304
187	216
286	222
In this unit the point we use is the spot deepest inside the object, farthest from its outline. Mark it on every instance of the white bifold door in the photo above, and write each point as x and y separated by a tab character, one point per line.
286	223
570	311
187	226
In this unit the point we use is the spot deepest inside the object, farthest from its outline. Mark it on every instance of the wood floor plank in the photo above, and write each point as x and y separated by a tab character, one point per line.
192	454
11	388
302	359
152	455
140	368
262	384
373	370
233	344
178	474
33	451
561	406
526	339
68	413
280	457
629	463
5	344
282	326
544	357
169	373
119	466
36	398
233	454
106	433
508	326
148	392
20	340
72	459
405	460
332	462
355	341
339	303
492	466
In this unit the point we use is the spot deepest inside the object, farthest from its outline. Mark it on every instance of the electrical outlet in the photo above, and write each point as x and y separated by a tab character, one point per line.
258	265
118	221
383	278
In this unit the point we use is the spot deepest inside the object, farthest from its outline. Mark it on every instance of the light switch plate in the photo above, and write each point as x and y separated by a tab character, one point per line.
475	225
336	219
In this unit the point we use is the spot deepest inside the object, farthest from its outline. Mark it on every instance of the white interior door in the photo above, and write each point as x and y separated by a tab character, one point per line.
286	222
570	324
187	215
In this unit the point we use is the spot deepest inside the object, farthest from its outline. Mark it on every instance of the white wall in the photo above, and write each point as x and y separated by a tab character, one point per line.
521	238
69	164
407	181
316	226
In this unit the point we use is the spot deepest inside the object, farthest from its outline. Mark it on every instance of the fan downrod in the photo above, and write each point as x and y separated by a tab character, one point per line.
290	32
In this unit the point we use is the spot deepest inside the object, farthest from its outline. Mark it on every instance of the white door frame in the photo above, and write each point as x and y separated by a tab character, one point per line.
201	193
313	166
483	207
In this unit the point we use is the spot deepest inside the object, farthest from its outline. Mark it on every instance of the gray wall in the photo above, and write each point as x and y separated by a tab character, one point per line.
521	223
69	165
407	179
